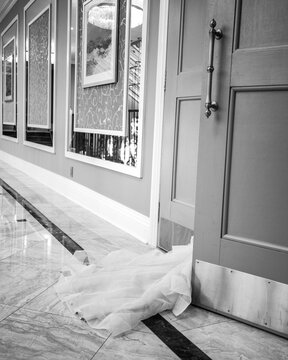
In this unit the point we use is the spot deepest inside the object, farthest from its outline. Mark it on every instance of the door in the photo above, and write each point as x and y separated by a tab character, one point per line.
181	122
242	185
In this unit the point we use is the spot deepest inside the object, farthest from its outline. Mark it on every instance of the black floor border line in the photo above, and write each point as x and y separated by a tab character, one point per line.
163	329
174	339
60	235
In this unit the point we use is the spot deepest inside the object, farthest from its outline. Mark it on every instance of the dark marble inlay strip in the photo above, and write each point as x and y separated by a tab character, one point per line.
165	331
63	238
174	339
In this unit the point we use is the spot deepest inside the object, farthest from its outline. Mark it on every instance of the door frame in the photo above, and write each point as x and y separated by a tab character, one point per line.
158	123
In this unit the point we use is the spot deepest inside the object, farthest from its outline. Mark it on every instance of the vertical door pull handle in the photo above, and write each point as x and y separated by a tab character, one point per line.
213	34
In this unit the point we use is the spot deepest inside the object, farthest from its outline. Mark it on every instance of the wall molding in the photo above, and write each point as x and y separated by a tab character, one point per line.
119	215
5	7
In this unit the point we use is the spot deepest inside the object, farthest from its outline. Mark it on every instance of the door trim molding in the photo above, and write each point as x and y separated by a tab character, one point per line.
158	116
255	242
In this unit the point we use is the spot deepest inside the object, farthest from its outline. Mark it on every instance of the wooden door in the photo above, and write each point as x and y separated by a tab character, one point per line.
242	185
181	121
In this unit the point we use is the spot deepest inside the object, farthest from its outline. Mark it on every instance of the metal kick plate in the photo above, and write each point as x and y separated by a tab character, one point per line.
248	297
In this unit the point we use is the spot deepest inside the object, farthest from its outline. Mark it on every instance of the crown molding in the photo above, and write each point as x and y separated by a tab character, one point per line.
5	7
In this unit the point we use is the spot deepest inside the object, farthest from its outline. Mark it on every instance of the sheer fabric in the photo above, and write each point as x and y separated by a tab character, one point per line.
114	294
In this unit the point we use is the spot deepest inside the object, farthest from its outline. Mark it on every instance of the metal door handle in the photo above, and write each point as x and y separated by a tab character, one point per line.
213	34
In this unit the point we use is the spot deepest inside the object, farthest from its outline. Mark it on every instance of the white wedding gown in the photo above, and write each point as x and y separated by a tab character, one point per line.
116	293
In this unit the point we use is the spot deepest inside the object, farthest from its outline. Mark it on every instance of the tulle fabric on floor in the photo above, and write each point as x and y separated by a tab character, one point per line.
113	295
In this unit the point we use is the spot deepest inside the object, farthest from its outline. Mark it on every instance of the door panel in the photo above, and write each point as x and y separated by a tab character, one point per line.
253	259
260	46
186	143
181	121
242	191
255	22
257	197
192	40
182	205
252	68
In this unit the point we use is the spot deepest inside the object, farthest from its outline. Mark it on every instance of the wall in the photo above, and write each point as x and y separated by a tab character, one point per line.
127	190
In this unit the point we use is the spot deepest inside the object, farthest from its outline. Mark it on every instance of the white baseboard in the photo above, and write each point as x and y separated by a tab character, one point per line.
117	214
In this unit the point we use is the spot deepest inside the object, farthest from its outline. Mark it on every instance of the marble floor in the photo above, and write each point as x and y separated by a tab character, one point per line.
34	324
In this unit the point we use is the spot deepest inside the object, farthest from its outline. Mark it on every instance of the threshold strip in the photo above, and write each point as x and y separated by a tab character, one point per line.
165	331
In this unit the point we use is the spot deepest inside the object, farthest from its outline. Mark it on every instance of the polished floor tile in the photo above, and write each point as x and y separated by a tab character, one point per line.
193	318
35	335
48	254
34	324
236	341
21	283
22	230
49	302
135	345
6	310
18	236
